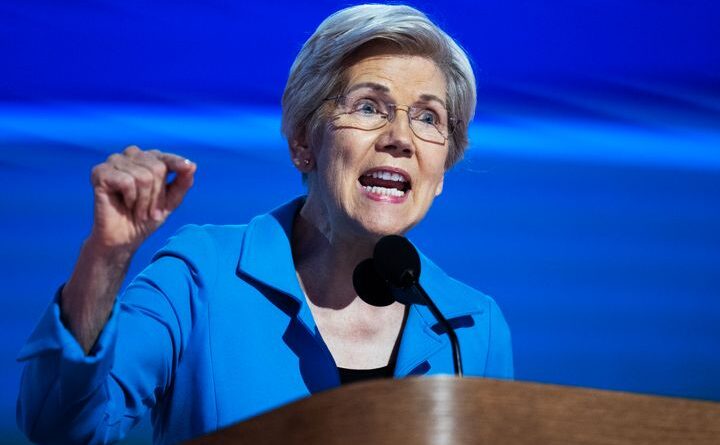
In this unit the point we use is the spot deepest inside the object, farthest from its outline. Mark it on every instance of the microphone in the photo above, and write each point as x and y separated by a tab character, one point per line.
394	272
397	261
375	291
372	289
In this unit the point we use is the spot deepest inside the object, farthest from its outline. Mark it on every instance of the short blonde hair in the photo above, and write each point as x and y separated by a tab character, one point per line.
317	71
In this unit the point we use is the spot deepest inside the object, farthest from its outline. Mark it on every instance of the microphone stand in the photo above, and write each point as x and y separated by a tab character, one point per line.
419	294
399	266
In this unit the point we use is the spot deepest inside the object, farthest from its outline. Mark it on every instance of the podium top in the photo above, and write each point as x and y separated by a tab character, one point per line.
447	410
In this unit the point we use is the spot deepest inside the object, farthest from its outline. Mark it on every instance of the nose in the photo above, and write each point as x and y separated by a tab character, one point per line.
397	137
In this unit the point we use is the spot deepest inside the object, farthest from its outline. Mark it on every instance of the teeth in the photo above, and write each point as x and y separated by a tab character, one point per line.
384	191
387	176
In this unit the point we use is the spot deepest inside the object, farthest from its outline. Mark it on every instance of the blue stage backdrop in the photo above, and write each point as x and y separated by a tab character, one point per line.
588	204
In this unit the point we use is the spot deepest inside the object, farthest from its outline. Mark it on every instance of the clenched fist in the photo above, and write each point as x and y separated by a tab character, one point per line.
132	199
133	196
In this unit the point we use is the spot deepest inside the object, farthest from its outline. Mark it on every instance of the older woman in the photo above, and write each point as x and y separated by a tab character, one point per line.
230	321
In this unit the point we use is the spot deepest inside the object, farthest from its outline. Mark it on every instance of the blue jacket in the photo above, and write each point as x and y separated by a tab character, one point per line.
216	330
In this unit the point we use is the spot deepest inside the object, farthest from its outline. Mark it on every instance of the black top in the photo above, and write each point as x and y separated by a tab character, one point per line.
357	375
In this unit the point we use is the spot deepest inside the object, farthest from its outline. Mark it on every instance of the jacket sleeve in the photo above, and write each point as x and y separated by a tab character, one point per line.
69	397
499	362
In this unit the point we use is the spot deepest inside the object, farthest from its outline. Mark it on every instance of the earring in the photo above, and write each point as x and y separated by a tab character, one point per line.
307	162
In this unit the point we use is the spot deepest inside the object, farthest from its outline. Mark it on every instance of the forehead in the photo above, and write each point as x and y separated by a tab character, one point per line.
407	77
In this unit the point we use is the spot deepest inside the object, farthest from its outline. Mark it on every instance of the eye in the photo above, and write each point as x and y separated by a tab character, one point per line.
426	116
365	106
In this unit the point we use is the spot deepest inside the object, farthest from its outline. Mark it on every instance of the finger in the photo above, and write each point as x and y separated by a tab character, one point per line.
112	181
184	178
143	183
176	190
175	163
158	169
131	150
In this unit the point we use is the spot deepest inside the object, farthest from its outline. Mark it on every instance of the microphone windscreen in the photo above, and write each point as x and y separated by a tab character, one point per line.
372	289
397	261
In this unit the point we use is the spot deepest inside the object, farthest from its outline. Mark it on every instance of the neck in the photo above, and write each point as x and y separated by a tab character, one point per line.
325	260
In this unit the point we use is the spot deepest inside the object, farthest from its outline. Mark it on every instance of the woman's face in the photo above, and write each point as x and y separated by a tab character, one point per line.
381	181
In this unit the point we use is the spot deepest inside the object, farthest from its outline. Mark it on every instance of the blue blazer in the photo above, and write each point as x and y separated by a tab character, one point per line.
216	330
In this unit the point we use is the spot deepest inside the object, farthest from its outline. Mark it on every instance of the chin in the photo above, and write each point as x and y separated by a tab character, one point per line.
379	225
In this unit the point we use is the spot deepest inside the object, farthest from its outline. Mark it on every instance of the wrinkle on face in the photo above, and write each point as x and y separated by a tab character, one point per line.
335	205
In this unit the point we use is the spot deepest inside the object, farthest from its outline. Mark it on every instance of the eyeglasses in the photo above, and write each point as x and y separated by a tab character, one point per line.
367	111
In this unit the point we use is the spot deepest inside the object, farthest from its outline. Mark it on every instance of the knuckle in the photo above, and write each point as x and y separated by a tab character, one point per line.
98	170
101	172
144	178
132	149
126	182
158	168
151	162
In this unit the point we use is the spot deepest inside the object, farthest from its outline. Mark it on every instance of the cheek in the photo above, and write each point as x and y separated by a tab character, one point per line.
343	154
337	165
435	169
332	167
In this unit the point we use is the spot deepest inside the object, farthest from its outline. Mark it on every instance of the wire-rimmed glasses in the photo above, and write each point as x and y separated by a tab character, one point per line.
367	110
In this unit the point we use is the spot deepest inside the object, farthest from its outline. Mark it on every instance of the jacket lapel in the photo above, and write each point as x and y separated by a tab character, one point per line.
266	256
422	350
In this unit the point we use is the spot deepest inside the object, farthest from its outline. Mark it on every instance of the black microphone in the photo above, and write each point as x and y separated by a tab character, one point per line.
375	291
372	289
397	262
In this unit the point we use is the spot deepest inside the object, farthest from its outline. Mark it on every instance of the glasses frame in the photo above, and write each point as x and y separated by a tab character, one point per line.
390	117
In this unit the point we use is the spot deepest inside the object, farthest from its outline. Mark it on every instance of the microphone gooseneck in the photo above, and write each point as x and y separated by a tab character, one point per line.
397	262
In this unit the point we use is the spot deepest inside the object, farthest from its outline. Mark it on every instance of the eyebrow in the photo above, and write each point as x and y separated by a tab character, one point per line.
371	85
429	97
384	89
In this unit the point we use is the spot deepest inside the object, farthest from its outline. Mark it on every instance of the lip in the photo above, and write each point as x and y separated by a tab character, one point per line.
386	198
399	171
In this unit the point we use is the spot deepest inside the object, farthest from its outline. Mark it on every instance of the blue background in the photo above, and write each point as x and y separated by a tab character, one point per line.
588	204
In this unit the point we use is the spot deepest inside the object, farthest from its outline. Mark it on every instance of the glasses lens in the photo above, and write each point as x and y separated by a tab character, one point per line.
366	111
362	122
428	131
361	110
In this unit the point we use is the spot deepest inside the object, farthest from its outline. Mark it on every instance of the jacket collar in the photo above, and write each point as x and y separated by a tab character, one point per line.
420	342
266	256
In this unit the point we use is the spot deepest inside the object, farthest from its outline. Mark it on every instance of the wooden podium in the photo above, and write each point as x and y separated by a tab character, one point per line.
447	410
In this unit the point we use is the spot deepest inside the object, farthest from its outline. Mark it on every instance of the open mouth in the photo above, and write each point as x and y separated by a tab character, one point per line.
386	181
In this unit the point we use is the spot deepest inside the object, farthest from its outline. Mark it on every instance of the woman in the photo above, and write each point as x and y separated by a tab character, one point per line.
230	321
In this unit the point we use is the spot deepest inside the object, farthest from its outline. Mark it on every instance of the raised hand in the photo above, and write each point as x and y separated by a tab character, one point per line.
133	198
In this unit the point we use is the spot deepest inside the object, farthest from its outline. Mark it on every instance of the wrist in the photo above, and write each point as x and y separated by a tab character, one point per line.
94	247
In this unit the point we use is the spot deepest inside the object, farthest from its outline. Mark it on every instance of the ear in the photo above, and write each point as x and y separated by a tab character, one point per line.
439	187
300	153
